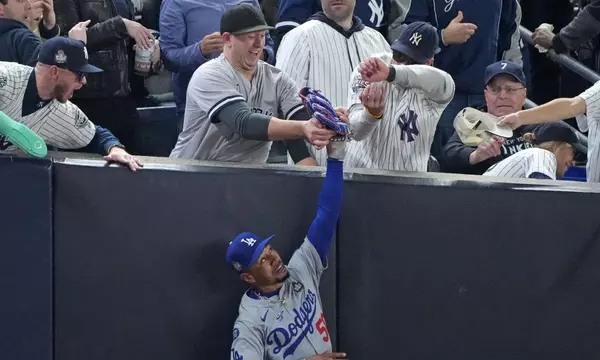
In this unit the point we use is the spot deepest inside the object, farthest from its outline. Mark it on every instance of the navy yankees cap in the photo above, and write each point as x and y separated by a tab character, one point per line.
244	250
243	18
419	41
68	54
557	131
504	67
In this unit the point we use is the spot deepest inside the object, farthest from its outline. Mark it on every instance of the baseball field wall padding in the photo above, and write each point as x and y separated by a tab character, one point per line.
102	263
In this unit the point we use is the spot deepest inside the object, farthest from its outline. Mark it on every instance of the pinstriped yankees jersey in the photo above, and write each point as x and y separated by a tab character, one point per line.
216	84
290	325
316	55
590	123
524	163
60	125
402	139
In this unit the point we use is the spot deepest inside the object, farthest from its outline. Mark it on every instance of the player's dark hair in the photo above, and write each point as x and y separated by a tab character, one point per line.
3	2
404	59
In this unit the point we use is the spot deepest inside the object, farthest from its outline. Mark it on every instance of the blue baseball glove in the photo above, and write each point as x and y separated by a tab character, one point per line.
320	108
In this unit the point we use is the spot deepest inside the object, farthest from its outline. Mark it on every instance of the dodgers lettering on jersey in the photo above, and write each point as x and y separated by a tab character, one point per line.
402	139
590	123
288	326
316	55
216	84
60	125
524	163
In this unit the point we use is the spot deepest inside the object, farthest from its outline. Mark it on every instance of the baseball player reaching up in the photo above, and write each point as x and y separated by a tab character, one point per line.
281	314
395	101
585	108
551	156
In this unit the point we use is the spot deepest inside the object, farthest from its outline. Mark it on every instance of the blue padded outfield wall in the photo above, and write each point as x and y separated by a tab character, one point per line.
99	263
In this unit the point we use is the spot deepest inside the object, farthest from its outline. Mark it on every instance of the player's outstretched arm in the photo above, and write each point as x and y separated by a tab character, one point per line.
320	233
555	110
437	84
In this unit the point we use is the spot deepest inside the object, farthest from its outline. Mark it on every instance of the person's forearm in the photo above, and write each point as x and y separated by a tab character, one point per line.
437	84
361	123
553	111
285	129
185	59
321	231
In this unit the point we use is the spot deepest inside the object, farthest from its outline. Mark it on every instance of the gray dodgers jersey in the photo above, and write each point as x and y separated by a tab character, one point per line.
266	329
216	84
63	126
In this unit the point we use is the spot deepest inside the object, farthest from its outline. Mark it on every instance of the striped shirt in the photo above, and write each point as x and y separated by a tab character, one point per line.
590	123
317	55
60	125
401	140
525	163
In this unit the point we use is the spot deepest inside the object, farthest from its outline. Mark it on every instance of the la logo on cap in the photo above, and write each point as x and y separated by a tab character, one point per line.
60	57
249	241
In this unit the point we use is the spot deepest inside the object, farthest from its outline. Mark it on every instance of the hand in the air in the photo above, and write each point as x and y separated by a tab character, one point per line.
458	32
373	99
139	33
317	134
211	43
511	120
487	150
328	355
79	31
121	156
373	69
543	37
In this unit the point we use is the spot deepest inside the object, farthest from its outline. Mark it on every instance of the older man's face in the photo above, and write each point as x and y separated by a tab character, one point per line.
504	95
338	10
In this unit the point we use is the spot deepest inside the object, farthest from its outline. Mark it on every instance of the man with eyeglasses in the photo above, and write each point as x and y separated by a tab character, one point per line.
37	99
505	93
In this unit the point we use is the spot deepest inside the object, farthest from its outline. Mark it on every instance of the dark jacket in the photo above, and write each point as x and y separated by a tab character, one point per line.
456	154
496	23
20	44
582	29
107	44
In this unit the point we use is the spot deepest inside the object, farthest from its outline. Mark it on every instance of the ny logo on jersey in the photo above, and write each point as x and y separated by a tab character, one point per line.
416	38
408	125
376	11
249	241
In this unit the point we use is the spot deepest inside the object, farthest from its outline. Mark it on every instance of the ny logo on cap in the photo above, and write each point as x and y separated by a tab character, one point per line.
60	57
416	38
249	241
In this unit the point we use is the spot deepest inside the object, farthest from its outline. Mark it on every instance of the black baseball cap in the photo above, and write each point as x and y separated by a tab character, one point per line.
68	54
557	131
504	67
419	41
243	18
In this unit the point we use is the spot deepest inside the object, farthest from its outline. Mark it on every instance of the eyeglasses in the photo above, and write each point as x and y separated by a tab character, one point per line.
498	89
79	75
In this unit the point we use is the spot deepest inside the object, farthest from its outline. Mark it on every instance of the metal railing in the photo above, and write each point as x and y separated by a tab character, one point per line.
564	60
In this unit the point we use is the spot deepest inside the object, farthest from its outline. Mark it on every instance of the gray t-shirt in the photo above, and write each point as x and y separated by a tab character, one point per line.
216	84
288	326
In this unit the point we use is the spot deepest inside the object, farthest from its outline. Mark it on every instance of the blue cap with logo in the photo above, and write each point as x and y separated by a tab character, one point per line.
68	54
504	67
244	250
419	41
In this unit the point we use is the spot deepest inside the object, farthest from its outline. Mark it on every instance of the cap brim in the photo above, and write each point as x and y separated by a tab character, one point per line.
253	29
502	131
504	73
259	249
89	69
400	47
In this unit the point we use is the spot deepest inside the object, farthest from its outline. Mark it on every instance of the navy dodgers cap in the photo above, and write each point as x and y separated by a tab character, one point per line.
243	18
244	250
419	41
68	54
504	67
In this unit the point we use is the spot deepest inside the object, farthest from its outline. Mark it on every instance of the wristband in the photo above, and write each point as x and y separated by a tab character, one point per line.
391	74
374	116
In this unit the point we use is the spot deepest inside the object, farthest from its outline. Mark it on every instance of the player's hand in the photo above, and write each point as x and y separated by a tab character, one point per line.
139	33
317	134
328	355
342	114
373	98
487	150
373	69
156	60
79	31
211	43
121	156
458	32
543	37
511	120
